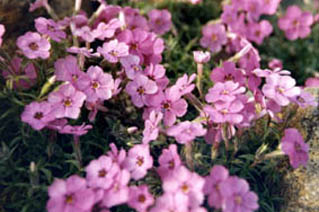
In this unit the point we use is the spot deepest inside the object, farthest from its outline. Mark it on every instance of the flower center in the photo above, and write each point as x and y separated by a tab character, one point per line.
158	22
225	92
135	68
224	111
95	85
238	200
114	53
74	77
166	106
171	164
280	90
298	147
141	198
228	77
102	173
295	23
140	161
134	46
214	37
300	99
38	115
185	188
69	199
33	46
51	28
141	90
67	102
258	33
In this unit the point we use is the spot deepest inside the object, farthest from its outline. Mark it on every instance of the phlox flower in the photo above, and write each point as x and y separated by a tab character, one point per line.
230	15
140	198
305	99
100	173
151	129
67	69
22	76
195	1
170	104
108	13
108	30
156	72
237	195
257	32
201	57
37	114
228	72
98	85
2	31
160	21
66	102
214	37
186	131
70	195
50	28
113	50
134	20
131	66
275	63
116	155
140	88
293	145
119	191
138	161
280	89
217	175
83	51
188	183
57	124
312	82
168	202
226	112
266	72
184	85
34	46
37	4
78	130
214	133
169	161
254	9
270	6
226	92
86	33
296	23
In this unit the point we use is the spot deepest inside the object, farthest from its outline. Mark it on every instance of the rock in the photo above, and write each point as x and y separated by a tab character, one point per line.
301	186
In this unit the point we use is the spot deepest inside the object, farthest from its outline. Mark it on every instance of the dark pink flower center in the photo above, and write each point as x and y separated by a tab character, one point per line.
51	28
38	115
102	173
295	23
214	37
141	90
298	148
300	99
228	77
171	164
167	106
95	85
67	102
69	199
258	33
114	53
33	46
185	188
158	21
238	200
141	198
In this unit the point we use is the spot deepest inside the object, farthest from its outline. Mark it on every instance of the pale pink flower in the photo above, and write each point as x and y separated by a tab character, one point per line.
160	21
151	129
83	51
138	161
254	9
50	28
228	72
169	161
275	63
78	130
34	46
184	85
140	198
168	202
38	4
113	50
108	30
214	37
201	57
86	33
312	82
305	99
2	31
257	32
131	66
270	6
225	92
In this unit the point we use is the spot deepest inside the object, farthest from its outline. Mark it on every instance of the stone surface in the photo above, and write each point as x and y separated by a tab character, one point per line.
301	186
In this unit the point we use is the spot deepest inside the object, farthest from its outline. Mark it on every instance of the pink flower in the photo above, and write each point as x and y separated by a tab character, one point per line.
254	9
38	115
67	69
186	131
50	28
37	4
184	85
113	50
195	1
257	32
104	30
230	15
67	102
226	112
170	103
280	89
293	145
100	173
131	66
116	155
138	161
86	33
237	195
225	92
34	46
75	130
188	183
119	191
214	37
305	99
98	86
201	57
160	21
168	202
218	174
156	72
140	199
169	161
2	31
83	51
228	72
22	76
151	130
140	88
275	63
312	82
134	20
270	6
70	195
296	23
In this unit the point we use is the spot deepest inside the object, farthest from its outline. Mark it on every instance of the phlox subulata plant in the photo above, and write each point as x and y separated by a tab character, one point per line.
116	53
